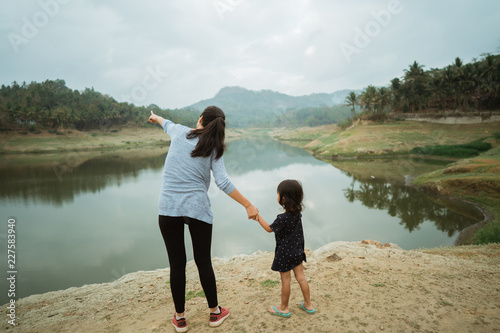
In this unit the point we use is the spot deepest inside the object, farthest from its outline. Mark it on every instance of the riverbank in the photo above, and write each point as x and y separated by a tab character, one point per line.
62	141
75	147
355	287
369	139
15	142
475	180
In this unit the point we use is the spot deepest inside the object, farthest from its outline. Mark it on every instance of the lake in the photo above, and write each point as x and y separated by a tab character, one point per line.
86	218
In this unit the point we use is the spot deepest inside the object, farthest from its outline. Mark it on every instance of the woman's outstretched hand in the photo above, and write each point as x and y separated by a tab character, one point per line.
252	212
153	118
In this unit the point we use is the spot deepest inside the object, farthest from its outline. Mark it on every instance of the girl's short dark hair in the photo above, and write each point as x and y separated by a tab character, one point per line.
291	196
212	135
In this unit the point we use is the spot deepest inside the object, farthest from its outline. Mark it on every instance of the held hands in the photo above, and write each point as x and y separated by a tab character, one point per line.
252	212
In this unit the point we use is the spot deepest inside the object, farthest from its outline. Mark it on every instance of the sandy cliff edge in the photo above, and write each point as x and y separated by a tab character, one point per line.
355	287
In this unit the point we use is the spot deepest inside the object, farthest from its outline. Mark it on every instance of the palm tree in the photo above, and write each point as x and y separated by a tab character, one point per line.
396	94
352	100
459	80
447	75
414	81
383	99
368	98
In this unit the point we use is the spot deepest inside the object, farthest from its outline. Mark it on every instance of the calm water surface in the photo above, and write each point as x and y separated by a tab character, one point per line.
82	221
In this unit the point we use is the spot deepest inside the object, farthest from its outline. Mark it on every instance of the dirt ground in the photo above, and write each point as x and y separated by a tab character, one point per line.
355	287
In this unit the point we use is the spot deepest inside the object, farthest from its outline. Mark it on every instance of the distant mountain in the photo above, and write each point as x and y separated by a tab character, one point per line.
250	107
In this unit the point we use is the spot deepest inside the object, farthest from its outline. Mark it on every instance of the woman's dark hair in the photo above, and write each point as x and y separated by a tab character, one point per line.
291	196
212	135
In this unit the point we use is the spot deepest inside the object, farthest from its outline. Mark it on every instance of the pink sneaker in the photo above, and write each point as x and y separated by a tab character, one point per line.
180	325
218	319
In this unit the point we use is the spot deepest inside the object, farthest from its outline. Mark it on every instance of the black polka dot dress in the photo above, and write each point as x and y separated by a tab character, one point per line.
289	235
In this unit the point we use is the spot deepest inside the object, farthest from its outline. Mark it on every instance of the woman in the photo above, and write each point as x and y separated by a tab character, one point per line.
184	200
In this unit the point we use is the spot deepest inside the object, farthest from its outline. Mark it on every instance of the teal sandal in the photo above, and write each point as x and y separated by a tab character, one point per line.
280	314
303	307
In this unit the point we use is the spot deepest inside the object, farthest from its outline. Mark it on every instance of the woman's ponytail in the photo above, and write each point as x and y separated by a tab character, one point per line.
212	135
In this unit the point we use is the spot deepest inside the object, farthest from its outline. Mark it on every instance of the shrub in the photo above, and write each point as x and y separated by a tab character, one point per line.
346	123
490	233
456	151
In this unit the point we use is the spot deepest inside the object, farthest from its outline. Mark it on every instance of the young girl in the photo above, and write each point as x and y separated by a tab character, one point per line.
289	253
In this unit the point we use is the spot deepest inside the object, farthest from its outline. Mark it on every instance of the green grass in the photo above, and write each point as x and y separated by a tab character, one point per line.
269	283
490	233
191	294
456	151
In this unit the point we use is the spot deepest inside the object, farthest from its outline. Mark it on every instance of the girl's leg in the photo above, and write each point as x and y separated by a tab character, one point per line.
201	236
286	279
298	271
172	230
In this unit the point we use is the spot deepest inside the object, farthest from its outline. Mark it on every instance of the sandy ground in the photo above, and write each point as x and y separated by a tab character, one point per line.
355	286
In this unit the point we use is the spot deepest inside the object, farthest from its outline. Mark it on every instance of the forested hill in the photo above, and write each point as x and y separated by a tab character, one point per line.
52	105
267	106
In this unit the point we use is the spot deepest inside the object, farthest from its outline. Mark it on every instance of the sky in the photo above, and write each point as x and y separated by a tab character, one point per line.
176	53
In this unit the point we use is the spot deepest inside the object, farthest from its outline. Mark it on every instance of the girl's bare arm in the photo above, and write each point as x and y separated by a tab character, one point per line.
264	224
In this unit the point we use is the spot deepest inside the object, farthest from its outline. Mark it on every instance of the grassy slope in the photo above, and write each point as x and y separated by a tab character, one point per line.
73	140
381	139
14	142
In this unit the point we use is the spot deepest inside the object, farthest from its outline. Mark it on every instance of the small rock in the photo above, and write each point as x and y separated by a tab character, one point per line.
334	257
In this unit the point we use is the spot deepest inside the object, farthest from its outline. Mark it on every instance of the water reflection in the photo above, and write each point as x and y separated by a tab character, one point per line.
407	204
59	181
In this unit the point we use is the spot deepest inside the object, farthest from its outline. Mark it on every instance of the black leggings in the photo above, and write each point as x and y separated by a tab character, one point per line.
172	230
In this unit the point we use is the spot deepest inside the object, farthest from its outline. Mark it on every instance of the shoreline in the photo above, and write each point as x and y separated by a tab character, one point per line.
355	286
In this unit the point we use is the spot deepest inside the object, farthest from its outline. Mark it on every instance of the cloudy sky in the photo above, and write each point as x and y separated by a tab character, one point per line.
175	53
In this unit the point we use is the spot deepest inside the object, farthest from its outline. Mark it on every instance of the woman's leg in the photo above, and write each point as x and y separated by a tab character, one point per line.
201	236
298	271
172	230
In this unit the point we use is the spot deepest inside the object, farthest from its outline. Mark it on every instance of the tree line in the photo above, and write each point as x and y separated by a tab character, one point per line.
52	105
458	86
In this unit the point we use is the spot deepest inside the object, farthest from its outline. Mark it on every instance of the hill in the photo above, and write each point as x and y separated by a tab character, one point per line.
249	107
